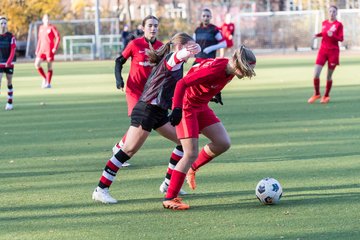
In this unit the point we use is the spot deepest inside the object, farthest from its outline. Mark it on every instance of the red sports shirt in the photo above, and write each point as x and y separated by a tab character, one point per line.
140	67
48	39
227	30
338	35
202	83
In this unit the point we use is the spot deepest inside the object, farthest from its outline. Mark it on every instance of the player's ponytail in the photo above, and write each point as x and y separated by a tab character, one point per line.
155	56
244	60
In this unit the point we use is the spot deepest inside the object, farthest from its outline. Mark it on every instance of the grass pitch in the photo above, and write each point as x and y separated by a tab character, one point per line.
55	143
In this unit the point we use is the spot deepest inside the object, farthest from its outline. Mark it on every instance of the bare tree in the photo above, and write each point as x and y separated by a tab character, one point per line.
128	13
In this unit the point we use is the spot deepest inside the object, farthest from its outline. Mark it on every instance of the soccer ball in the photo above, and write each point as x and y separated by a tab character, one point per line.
268	191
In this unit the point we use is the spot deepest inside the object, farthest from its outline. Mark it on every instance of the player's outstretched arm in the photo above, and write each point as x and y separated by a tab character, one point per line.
119	62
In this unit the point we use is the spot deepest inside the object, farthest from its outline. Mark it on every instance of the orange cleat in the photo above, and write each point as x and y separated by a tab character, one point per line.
314	98
325	100
190	178
175	204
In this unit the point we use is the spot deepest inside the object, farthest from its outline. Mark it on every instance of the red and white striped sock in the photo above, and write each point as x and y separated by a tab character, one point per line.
120	144
176	155
10	94
111	168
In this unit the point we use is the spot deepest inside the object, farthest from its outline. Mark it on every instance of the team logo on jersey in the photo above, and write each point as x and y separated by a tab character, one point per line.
141	52
146	64
333	28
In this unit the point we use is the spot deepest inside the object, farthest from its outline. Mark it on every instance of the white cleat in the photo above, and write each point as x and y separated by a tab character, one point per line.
43	84
48	85
164	187
9	107
125	164
103	195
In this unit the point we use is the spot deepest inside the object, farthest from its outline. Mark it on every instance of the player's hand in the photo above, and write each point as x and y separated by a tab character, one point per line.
7	65
217	99
175	116
206	50
193	48
120	83
53	50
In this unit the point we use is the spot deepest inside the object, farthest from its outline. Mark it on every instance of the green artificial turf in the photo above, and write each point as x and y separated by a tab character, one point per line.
55	143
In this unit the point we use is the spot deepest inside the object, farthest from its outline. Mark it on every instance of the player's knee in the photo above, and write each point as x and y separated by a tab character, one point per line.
191	156
222	146
225	145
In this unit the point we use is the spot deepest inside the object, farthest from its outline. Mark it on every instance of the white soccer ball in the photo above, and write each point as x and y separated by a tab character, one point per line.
268	191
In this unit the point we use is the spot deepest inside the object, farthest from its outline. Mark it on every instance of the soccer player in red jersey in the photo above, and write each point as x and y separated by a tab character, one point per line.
332	34
208	36
227	30
191	115
7	59
140	67
47	45
151	111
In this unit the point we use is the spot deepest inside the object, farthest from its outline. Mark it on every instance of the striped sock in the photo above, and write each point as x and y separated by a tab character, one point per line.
111	168
122	141
176	155
10	94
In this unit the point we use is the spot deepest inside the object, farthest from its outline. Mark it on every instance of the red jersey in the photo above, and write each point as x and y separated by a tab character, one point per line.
202	83
140	67
228	30
337	34
48	39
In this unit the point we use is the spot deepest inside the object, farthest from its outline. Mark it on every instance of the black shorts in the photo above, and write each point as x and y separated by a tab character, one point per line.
7	70
148	116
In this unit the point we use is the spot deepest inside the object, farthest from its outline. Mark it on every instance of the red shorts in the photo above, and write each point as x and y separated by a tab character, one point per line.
46	56
229	43
131	100
194	120
329	55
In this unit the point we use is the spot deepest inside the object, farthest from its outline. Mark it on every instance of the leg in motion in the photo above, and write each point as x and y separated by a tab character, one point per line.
40	71
329	82
316	82
219	143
